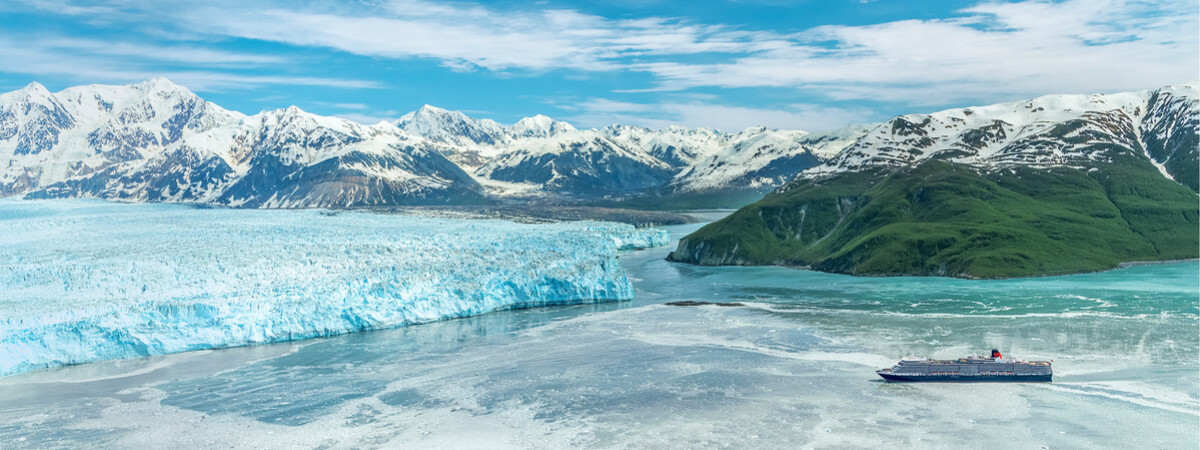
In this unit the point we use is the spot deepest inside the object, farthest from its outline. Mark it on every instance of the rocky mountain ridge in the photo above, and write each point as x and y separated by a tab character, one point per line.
157	141
1053	130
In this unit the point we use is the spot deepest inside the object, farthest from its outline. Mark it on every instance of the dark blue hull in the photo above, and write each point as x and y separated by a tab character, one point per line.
966	378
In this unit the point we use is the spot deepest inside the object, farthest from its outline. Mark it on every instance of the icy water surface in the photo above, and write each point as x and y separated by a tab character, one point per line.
793	368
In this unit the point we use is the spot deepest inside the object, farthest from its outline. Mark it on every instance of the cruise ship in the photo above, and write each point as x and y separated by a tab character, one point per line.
972	369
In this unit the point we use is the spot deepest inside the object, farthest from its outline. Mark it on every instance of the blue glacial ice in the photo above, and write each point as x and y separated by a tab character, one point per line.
84	281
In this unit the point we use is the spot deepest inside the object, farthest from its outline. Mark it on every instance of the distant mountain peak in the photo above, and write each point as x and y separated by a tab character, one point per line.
429	115
538	120
539	126
758	129
453	127
159	84
33	91
427	108
34	86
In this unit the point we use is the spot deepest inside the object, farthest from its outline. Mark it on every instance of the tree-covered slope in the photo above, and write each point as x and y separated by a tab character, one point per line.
943	218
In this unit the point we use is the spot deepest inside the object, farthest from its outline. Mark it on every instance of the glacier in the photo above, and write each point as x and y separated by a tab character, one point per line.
88	280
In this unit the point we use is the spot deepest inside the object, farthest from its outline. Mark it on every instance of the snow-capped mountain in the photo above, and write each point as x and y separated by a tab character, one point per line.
582	163
1054	130
298	159
469	142
46	138
676	146
1170	133
542	156
623	159
758	159
156	141
538	126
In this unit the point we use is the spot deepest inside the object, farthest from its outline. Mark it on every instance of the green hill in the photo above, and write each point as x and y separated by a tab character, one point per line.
947	219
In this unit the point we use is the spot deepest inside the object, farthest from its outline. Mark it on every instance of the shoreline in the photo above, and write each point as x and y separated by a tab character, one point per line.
1121	265
1149	263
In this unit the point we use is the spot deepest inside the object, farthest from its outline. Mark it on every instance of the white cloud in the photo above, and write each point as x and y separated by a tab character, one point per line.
69	8
187	54
206	80
504	47
99	62
995	51
991	51
463	36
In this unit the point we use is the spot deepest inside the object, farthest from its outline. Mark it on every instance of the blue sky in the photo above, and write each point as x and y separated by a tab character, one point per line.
804	64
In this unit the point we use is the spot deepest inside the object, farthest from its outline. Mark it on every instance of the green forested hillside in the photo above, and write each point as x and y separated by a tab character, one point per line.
940	218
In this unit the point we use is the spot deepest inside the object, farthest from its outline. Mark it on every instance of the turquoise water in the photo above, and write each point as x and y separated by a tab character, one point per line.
793	368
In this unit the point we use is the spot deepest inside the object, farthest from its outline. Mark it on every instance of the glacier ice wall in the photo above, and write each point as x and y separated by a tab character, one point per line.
84	280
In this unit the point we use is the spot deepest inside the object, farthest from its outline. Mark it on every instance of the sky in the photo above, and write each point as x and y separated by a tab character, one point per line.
805	64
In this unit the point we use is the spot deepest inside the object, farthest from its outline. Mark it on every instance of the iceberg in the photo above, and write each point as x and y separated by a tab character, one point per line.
87	280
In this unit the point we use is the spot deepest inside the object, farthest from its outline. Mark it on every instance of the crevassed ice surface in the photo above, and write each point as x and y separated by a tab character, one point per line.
84	281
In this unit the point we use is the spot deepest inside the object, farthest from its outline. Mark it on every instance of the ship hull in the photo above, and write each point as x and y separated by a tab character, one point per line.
966	378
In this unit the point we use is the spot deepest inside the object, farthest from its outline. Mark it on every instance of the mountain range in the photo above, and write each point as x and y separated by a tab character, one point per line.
1056	184
157	141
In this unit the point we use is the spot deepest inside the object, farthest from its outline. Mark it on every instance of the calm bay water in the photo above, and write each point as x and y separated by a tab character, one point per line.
793	367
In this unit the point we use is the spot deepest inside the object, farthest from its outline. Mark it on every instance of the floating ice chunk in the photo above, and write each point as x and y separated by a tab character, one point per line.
84	281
